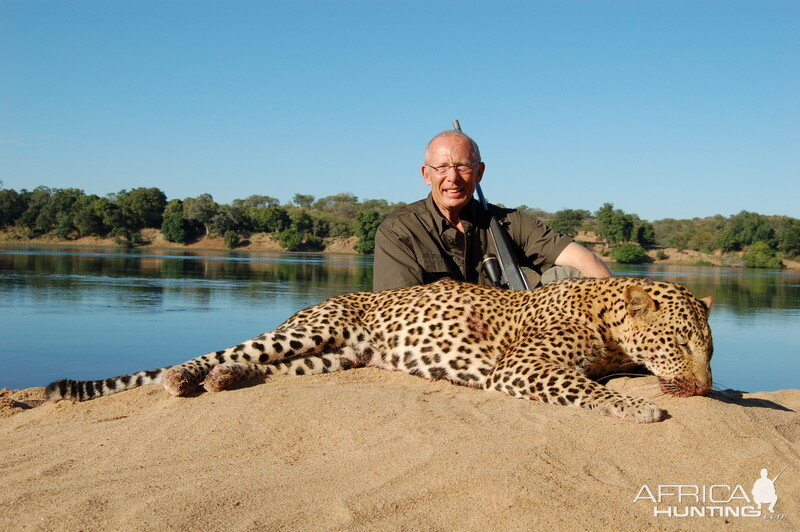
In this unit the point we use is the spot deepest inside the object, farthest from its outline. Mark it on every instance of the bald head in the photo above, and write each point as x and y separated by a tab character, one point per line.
448	135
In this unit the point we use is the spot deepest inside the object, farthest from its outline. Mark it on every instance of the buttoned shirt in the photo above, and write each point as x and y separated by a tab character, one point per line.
417	245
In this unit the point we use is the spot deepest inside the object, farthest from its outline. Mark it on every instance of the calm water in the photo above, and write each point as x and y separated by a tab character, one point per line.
96	313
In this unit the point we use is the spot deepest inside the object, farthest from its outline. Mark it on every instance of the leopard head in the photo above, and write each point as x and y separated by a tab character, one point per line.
668	333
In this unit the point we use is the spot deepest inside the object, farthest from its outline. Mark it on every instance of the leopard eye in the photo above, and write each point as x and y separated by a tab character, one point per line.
681	339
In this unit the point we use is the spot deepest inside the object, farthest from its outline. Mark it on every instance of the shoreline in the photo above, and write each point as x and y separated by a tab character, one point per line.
154	240
263	242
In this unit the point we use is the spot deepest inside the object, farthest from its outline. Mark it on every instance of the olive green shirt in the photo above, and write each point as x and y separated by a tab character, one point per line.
417	245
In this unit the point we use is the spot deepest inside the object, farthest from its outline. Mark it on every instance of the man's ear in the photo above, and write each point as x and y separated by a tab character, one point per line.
424	169
479	175
638	302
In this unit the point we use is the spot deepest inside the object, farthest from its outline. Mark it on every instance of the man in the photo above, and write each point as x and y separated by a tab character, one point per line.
447	234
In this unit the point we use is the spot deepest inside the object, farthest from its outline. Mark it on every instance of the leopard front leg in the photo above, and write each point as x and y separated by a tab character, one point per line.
550	382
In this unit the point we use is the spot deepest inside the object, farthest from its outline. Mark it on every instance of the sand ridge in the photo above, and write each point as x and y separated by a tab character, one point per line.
371	449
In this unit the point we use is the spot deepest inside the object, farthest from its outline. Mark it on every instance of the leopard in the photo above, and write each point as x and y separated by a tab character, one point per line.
554	344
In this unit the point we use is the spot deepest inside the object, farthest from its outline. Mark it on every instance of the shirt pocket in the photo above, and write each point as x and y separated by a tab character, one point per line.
434	267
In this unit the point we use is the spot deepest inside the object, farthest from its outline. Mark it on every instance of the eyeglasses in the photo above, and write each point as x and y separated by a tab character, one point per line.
461	168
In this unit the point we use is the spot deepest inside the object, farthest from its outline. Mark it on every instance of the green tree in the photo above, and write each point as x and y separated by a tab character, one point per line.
231	239
173	206
614	225
301	220
227	218
201	210
629	253
750	227
267	219
674	233
291	239
142	207
64	225
726	240
35	201
367	223
343	204
257	200
56	211
12	205
303	200
175	228
788	234
88	216
760	255
341	227
320	226
569	221
645	234
380	205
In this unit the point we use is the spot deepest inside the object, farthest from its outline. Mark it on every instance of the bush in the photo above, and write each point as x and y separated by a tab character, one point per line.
629	254
291	239
231	239
761	256
661	255
569	221
313	243
367	223
174	228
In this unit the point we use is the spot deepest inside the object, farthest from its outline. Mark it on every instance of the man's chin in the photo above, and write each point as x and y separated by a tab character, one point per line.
455	202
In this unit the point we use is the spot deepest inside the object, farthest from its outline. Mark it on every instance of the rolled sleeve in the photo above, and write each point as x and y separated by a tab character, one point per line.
395	264
541	244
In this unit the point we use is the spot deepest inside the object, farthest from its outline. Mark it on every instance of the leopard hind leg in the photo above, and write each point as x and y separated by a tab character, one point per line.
284	343
228	375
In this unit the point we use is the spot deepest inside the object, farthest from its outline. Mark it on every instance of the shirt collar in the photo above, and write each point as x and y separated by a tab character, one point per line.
468	215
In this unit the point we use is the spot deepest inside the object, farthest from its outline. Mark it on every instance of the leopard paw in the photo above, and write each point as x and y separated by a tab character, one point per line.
638	410
221	378
178	382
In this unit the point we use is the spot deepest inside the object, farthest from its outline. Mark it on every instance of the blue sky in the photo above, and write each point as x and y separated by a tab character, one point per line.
666	109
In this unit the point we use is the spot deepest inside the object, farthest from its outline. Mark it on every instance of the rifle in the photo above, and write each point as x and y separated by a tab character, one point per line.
505	271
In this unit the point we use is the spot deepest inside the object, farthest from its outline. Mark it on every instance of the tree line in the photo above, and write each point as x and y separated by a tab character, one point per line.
766	239
299	225
305	221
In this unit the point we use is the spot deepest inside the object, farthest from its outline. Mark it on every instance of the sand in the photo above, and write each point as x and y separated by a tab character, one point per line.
369	449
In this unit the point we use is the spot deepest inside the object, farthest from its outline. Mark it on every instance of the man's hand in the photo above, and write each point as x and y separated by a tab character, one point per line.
586	261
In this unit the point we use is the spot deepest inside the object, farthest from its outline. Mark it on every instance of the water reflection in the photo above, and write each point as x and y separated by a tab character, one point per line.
142	278
744	291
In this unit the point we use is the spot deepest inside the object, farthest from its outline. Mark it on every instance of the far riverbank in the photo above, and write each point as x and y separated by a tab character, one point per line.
153	239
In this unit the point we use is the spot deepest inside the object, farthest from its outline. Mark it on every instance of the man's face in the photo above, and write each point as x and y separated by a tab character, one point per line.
453	190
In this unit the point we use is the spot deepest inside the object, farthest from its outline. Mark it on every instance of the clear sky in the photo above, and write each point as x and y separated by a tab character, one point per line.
666	109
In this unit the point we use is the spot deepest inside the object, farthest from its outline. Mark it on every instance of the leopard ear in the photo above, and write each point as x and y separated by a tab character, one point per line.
708	301
638	302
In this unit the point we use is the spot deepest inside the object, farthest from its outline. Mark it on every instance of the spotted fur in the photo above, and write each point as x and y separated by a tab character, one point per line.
549	344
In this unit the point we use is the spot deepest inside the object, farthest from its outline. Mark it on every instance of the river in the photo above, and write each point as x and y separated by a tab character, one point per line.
95	313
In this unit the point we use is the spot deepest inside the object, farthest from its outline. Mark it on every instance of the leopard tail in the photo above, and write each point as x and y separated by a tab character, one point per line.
85	390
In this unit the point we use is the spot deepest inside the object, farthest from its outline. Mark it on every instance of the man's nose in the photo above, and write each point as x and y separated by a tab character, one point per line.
450	170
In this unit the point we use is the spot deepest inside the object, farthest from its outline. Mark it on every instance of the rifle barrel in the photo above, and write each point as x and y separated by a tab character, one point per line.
512	273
